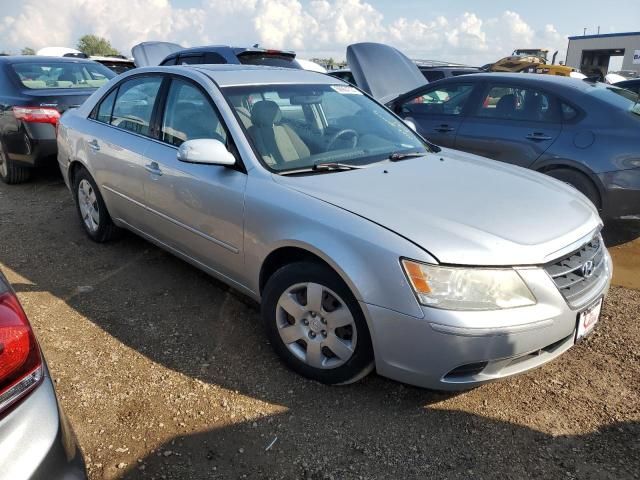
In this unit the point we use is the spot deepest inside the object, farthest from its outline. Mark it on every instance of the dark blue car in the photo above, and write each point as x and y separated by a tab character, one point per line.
583	133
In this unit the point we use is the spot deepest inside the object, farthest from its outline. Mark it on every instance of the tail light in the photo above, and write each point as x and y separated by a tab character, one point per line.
21	367
37	114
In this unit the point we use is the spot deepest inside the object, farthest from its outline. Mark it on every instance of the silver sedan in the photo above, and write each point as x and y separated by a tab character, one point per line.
367	246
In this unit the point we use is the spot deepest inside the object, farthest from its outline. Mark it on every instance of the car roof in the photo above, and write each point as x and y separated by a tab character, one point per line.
236	50
42	59
226	75
530	78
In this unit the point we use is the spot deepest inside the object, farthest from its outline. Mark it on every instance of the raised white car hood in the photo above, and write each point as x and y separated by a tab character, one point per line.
382	71
461	208
150	54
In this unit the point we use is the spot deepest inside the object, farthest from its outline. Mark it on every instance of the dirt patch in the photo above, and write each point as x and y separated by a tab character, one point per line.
166	373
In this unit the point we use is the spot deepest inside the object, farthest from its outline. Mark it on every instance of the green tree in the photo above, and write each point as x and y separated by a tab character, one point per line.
28	51
94	45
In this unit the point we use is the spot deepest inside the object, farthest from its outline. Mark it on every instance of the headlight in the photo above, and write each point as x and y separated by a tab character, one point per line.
454	288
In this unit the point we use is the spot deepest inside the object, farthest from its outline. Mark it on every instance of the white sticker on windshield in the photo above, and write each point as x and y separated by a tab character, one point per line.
346	90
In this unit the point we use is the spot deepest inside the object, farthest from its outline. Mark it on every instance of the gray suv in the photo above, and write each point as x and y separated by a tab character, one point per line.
36	441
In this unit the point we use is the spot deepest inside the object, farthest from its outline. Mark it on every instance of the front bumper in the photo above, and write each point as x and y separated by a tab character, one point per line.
36	442
622	194
453	350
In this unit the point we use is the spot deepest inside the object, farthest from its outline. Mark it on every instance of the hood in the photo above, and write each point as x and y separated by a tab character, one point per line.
150	54
461	208
382	71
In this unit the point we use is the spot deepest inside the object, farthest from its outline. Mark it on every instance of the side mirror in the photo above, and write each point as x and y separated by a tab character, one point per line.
207	151
410	123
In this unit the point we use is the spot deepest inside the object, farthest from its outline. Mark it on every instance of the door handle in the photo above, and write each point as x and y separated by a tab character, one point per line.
538	136
95	146
153	168
444	128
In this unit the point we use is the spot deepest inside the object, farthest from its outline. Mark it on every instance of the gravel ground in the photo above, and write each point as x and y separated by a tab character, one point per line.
165	373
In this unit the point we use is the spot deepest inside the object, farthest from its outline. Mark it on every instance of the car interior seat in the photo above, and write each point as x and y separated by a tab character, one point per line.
277	142
506	106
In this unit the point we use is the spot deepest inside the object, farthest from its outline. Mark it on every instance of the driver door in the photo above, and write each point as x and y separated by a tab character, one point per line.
197	209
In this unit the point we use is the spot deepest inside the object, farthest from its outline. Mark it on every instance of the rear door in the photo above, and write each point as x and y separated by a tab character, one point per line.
438	110
511	123
118	136
196	210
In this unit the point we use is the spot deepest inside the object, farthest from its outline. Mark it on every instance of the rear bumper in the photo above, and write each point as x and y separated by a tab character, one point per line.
32	145
36	441
453	350
622	194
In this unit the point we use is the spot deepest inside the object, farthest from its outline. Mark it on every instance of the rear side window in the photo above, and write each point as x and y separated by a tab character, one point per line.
445	100
190	60
516	103
106	108
134	104
189	115
54	74
568	112
170	61
433	75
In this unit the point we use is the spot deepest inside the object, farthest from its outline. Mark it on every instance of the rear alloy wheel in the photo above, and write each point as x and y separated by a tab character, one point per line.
11	173
92	209
316	325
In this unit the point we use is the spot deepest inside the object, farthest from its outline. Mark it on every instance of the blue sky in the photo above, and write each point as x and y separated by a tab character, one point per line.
469	31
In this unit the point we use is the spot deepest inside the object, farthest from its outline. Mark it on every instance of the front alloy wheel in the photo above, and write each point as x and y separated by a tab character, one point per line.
315	324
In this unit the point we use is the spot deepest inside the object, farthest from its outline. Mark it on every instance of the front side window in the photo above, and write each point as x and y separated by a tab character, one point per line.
134	105
189	115
518	103
294	127
50	75
445	100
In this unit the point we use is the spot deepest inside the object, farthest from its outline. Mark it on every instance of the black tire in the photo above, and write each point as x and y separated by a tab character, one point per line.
105	229
579	181
10	173
361	361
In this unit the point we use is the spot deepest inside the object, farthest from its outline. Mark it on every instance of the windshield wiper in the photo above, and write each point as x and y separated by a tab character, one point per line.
335	166
397	156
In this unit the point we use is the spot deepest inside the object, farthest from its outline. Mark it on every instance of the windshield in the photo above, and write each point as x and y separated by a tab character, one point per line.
620	97
298	126
62	74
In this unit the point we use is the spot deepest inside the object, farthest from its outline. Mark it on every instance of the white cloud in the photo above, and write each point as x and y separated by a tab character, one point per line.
312	27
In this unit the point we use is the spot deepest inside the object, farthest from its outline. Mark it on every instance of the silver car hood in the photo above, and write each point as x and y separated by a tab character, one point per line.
461	208
150	54
382	71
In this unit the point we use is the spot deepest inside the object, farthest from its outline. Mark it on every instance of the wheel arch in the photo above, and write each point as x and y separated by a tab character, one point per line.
565	164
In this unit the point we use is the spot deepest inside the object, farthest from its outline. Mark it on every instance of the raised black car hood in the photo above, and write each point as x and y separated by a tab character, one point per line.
382	71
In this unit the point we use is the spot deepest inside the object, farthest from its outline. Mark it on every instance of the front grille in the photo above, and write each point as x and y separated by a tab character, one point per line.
580	273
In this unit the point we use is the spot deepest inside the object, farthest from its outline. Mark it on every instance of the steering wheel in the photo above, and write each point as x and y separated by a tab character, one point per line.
343	133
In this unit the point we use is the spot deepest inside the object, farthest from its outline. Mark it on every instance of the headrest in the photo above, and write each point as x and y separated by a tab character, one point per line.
265	113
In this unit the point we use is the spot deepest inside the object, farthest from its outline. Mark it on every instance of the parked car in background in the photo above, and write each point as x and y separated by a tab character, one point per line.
165	53
37	441
434	70
34	92
366	245
343	74
118	64
555	125
633	85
